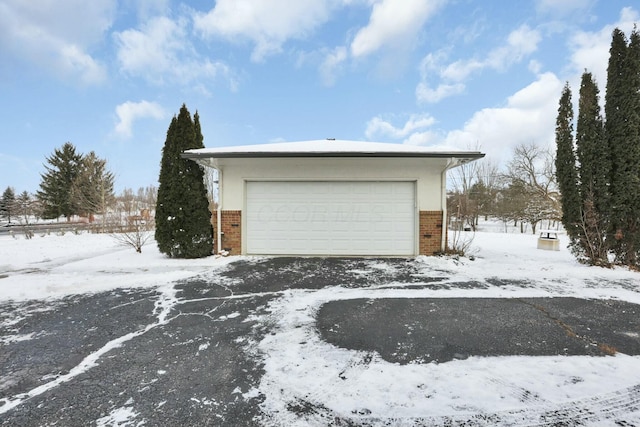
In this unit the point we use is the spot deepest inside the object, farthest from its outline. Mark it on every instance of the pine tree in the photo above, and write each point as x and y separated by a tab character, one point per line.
198	131
55	192
633	153
622	129
592	149
183	219
92	190
614	108
593	173
566	172
8	204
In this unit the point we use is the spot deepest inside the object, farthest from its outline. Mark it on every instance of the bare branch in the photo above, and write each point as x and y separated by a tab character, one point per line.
135	235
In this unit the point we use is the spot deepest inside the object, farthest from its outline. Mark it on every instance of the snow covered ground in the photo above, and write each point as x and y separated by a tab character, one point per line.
58	265
516	390
298	364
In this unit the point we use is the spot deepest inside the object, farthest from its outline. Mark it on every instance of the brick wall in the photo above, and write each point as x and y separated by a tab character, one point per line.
430	235
232	232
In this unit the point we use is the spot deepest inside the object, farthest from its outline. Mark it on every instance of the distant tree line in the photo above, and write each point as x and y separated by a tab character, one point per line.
16	208
77	185
523	195
598	165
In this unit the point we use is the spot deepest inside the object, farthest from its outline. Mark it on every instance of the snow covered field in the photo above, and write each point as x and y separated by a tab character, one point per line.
299	364
55	266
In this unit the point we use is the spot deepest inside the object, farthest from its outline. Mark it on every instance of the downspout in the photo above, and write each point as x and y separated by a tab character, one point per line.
443	194
219	212
218	236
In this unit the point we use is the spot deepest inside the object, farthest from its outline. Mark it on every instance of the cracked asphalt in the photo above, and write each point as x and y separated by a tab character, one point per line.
177	355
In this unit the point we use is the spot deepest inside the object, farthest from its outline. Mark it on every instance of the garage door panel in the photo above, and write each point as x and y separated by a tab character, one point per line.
330	218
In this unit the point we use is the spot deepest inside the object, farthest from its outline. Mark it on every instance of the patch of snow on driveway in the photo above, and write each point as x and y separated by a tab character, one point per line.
307	380
121	417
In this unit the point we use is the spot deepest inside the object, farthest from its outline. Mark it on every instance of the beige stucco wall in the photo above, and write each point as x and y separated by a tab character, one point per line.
427	172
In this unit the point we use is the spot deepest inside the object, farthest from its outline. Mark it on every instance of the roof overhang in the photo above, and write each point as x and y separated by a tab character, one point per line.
328	148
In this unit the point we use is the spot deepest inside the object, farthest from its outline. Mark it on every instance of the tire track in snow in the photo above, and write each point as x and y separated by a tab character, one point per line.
162	309
589	411
616	406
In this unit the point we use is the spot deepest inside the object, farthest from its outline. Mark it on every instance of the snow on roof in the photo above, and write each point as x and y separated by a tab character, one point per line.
328	148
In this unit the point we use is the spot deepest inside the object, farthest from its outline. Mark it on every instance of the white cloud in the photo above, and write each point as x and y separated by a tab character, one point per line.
76	62
428	137
528	116
535	66
268	24
378	127
129	112
591	49
393	23
562	7
520	43
460	70
424	93
149	8
332	63
153	49
57	36
161	50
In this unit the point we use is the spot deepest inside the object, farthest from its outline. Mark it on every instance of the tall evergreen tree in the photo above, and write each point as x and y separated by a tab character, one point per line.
8	204
566	172
592	150
593	173
614	102
622	128
633	157
183	219
55	192
92	190
198	130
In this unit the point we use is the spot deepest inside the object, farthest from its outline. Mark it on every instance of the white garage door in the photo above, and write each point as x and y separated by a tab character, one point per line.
331	218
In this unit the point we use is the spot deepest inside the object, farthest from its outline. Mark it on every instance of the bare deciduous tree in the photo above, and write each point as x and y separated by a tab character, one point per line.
133	219
532	169
136	234
535	168
460	204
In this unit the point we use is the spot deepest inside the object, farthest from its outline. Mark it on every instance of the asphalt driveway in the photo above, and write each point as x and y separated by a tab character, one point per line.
444	329
184	354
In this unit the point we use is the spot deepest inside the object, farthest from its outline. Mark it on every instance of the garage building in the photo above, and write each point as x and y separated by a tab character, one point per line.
330	198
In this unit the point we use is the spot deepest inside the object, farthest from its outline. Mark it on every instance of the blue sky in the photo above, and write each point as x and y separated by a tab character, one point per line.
108	75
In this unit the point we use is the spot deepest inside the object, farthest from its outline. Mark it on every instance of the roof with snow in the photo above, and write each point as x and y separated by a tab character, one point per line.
329	148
